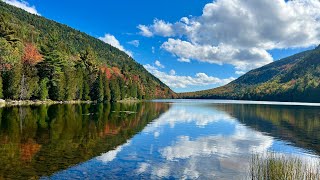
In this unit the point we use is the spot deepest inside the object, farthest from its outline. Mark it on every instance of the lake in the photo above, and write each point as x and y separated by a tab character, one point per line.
171	139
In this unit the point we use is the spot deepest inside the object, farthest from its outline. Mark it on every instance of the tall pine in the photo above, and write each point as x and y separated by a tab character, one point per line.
97	89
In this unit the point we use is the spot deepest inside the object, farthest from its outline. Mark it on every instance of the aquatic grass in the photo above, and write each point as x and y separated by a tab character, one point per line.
272	166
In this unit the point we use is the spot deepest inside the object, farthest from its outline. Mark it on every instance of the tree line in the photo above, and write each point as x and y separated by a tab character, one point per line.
29	72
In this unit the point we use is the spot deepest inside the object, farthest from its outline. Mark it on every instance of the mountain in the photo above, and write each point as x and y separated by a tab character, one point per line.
295	78
43	59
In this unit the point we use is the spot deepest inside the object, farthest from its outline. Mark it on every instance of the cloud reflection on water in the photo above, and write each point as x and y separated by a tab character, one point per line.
188	142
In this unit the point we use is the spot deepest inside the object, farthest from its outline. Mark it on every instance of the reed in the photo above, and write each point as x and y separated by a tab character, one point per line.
272	166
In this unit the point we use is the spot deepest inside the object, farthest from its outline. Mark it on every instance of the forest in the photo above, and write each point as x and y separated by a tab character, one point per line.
292	79
41	59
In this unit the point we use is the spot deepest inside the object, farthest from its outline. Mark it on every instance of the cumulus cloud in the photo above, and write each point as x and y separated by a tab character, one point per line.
242	59
110	39
240	72
23	5
135	43
158	63
172	72
176	81
240	32
145	31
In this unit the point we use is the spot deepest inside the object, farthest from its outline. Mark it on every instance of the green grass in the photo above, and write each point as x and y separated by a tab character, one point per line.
272	166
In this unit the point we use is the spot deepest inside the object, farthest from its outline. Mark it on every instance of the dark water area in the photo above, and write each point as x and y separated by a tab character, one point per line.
151	140
37	141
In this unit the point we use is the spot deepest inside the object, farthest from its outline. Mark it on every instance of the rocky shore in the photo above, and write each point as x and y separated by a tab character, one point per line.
37	102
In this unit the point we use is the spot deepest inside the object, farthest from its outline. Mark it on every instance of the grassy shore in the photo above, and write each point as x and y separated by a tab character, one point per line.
272	166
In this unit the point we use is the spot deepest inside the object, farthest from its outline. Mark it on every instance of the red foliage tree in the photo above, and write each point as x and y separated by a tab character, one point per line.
106	71
31	54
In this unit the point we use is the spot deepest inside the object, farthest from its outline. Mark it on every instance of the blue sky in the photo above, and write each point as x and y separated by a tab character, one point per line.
195	44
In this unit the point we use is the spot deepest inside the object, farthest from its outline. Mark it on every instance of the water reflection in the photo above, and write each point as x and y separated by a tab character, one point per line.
184	140
37	141
205	140
299	125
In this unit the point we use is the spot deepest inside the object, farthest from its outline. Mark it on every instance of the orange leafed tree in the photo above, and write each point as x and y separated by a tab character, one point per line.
31	54
107	71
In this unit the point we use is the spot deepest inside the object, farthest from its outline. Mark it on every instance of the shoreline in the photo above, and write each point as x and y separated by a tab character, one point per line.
4	103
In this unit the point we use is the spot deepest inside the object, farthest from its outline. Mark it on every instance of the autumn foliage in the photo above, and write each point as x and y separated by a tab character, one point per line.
31	54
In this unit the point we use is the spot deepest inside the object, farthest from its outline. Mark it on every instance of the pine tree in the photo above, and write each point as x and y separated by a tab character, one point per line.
97	89
52	68
11	83
71	83
43	91
106	89
86	90
134	90
123	88
115	90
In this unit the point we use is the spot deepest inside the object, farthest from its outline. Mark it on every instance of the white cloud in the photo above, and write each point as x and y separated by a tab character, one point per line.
110	39
23	5
152	50
158	63
145	31
135	43
239	32
240	72
175	81
162	28
245	59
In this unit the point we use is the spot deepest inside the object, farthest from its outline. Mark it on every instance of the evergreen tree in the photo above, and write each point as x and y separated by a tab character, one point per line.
134	90
79	83
43	91
115	90
11	82
71	83
29	82
106	89
85	90
89	69
52	68
97	89
123	88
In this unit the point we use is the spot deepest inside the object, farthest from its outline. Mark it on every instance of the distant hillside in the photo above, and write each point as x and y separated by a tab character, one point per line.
43	59
295	78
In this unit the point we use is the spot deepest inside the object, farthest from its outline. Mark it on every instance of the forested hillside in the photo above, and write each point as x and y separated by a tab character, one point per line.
42	59
295	78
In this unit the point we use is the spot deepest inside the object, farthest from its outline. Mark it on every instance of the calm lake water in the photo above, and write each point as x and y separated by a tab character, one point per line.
174	139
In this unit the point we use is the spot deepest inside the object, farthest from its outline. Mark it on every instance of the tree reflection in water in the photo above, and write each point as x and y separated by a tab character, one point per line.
37	141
